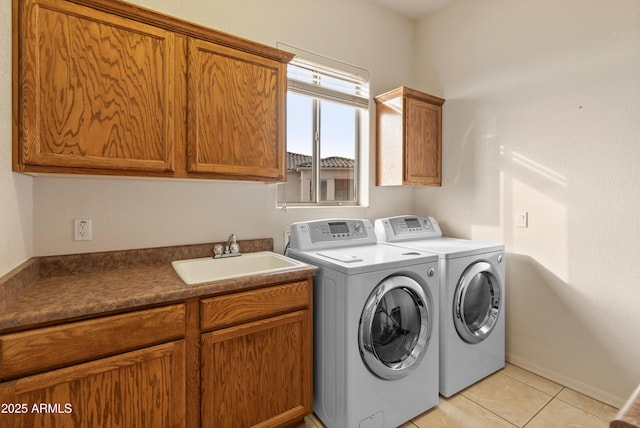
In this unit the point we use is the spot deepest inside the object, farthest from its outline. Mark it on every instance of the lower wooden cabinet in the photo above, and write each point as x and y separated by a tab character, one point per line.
125	370
242	359
142	388
257	363
257	373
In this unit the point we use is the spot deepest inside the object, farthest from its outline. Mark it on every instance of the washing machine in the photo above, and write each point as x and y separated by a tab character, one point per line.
375	325
472	298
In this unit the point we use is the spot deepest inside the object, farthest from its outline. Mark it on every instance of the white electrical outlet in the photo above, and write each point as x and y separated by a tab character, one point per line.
82	229
287	236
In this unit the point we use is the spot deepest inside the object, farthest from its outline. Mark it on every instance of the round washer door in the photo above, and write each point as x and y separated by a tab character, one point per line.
395	327
476	303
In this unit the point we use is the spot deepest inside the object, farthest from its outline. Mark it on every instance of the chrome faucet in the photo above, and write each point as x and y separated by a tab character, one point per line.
230	240
232	249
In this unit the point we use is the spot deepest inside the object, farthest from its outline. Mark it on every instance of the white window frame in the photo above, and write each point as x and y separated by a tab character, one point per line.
354	93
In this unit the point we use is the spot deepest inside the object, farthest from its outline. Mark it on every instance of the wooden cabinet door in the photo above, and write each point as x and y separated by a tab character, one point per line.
258	374
236	113
144	388
96	91
423	143
408	138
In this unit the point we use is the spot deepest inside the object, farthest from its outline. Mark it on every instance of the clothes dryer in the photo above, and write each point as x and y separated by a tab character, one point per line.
472	296
375	325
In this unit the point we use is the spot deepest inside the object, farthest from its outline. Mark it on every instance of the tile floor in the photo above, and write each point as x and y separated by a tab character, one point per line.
510	398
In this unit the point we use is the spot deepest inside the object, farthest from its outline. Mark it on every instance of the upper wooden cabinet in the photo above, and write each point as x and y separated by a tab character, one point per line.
106	87
409	138
97	90
236	112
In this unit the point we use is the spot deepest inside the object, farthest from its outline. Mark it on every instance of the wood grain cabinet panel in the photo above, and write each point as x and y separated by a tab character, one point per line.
224	311
74	342
258	374
106	87
257	364
97	90
143	388
236	117
409	138
160	367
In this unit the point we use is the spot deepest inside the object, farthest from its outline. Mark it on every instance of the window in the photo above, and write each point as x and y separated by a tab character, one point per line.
327	121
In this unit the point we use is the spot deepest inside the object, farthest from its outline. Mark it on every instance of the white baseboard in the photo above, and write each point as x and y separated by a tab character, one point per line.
569	382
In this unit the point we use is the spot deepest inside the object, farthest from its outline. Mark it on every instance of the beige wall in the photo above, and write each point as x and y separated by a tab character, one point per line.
16	201
130	213
543	115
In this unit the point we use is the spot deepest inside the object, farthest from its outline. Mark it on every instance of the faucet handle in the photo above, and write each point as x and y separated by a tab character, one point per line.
218	250
234	247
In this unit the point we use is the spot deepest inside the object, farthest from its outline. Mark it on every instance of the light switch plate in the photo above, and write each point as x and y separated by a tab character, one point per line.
522	219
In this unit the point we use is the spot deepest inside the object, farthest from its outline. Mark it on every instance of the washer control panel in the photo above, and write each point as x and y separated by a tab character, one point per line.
407	228
319	234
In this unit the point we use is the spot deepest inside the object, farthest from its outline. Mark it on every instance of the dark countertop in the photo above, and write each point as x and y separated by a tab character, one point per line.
629	415
52	289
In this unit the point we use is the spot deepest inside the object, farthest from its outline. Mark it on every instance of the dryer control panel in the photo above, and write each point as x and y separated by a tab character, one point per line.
407	228
333	233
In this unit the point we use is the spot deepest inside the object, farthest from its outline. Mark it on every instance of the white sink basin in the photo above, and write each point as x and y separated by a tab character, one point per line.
207	269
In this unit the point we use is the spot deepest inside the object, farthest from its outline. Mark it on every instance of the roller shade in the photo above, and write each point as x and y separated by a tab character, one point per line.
320	77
